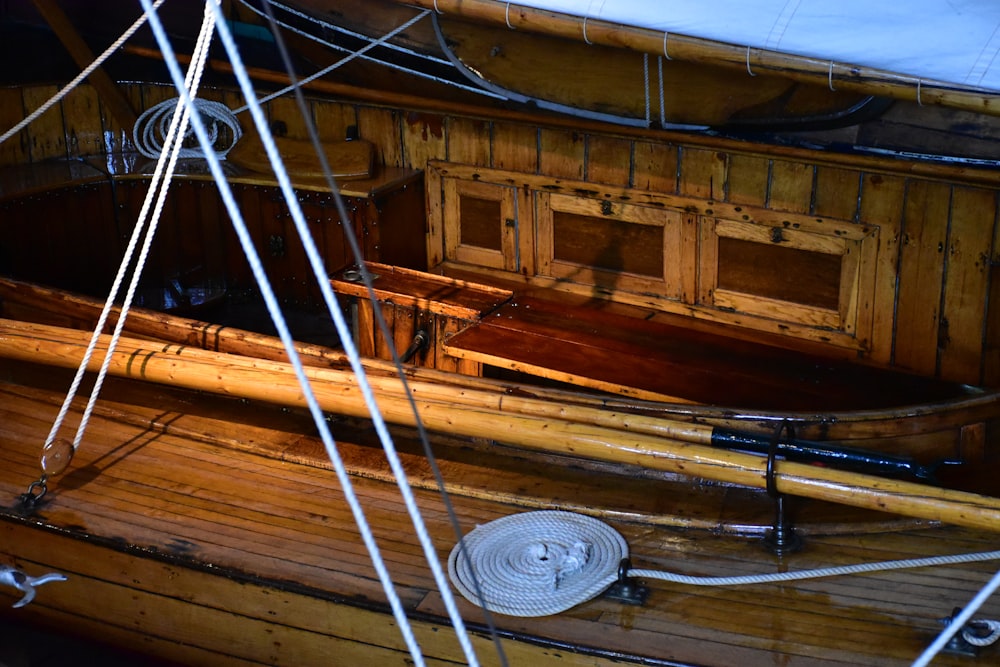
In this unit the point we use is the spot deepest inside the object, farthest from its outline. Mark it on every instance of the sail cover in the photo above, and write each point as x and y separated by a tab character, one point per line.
953	41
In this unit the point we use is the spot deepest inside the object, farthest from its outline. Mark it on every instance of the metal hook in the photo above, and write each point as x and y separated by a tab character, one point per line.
665	54
919	101
585	31
749	71
24	583
829	76
436	10
506	16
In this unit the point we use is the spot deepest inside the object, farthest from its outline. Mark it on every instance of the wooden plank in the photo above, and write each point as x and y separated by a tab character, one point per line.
991	342
703	174
655	167
334	120
515	147
562	154
642	358
383	128
921	274
966	282
425	291
12	111
609	160
285	118
435	202
791	186
749	178
82	111
48	131
469	140
708	261
837	193
424	139
882	200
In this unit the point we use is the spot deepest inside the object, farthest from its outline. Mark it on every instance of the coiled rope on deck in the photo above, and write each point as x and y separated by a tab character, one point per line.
545	562
537	563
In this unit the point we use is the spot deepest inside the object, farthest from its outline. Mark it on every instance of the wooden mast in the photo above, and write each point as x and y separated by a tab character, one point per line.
808	70
337	391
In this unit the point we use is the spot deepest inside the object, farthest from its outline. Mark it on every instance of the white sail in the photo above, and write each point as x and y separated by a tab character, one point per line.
954	41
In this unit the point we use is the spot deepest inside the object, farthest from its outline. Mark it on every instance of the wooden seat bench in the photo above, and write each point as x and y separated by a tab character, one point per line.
654	360
551	337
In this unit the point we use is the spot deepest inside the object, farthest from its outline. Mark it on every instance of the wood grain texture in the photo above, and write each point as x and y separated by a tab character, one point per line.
285	577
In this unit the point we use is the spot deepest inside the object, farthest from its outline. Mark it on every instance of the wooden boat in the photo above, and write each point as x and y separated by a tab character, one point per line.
598	302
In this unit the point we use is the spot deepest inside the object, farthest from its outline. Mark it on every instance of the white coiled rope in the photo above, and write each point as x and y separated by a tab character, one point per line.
537	563
545	562
151	128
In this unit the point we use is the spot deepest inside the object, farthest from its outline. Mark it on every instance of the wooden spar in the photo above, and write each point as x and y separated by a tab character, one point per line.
27	301
872	163
814	71
337	392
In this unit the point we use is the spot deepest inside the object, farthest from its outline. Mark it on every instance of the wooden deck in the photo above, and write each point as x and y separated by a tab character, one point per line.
204	552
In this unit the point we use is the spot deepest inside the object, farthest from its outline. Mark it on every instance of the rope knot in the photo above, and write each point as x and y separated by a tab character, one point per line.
559	561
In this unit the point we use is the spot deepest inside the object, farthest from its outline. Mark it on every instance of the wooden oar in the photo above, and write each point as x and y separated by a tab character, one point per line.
275	382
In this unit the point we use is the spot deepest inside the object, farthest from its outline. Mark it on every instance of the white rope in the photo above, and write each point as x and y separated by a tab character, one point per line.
316	264
382	41
645	84
991	636
79	78
819	573
958	622
663	110
164	170
150	130
545	562
537	563
343	61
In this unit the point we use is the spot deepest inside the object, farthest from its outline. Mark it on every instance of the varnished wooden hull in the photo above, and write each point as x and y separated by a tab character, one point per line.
163	521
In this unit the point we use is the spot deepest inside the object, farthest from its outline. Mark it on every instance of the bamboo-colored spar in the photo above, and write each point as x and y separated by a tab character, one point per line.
808	70
275	382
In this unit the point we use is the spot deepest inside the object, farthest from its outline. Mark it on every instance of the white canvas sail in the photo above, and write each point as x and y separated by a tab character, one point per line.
954	41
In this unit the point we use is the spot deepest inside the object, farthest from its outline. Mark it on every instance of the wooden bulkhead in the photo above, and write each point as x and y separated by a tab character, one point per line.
894	261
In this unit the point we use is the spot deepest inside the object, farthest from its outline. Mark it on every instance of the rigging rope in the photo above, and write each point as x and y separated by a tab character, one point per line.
164	170
316	263
52	101
382	41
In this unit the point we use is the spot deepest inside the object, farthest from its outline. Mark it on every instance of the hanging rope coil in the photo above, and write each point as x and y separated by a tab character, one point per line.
151	129
537	563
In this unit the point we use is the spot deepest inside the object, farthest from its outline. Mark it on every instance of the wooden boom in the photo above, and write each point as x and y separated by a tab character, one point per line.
846	76
337	391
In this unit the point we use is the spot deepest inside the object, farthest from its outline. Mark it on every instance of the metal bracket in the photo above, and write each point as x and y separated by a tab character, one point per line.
627	590
958	644
781	539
